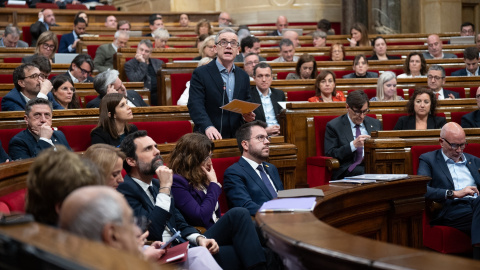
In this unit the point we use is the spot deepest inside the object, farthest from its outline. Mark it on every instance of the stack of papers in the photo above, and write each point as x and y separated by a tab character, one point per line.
300	192
304	204
371	178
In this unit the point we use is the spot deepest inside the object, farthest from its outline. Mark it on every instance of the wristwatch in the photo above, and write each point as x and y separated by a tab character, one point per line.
449	194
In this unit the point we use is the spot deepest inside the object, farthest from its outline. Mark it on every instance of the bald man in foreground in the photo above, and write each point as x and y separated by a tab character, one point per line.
455	181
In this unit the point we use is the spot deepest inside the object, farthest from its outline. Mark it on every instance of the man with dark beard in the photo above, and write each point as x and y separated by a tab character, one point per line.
252	181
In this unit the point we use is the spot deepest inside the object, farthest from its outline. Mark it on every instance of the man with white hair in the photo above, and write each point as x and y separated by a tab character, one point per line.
11	38
108	82
104	55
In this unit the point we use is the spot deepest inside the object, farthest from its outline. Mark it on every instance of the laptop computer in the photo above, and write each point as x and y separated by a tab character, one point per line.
64	58
462	40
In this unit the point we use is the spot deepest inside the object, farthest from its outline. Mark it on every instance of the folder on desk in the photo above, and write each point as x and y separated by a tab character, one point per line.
240	106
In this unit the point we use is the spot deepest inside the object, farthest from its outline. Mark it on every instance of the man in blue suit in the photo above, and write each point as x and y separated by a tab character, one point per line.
216	84
39	134
470	57
436	80
252	181
472	120
455	181
68	42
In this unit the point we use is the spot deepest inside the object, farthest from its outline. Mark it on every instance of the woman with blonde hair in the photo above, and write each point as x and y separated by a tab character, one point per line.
387	88
109	160
47	45
207	48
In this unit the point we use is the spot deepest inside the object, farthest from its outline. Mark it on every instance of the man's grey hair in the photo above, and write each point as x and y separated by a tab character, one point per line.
147	43
249	54
37	101
224	30
161	34
121	33
437	67
103	80
11	30
285	42
92	218
319	34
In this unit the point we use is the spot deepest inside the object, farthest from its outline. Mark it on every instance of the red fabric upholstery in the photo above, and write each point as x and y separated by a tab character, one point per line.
6	135
220	165
400	43
448	71
88	99
457	116
46	5
105	7
92	50
15	200
282	75
166	131
16	6
390	120
4	208
444	239
417	151
6	78
397	71
12	60
26	36
349	57
322	57
340	73
300	95
78	137
77	6
473	92
178	82
182	58
271	58
370	92
459	90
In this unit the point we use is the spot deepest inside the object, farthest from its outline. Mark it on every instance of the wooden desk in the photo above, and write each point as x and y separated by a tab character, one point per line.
330	238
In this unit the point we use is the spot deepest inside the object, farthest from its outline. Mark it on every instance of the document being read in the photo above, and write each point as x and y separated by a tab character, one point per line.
240	106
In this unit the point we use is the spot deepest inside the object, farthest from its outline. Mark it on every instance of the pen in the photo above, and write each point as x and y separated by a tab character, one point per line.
277	210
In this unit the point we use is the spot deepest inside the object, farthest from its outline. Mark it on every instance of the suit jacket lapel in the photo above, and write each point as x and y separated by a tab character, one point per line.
256	179
346	128
216	77
139	190
256	99
443	166
271	174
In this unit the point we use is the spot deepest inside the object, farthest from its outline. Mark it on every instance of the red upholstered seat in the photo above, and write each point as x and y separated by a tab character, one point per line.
178	84
77	6
220	165
16	6
92	50
370	92
4	208
457	116
105	7
271	58
6	135
390	120
6	78
78	136
88	99
300	95
282	75
166	131
397	71
340	73
46	5
15	201
322	57
459	90
26	36
12	60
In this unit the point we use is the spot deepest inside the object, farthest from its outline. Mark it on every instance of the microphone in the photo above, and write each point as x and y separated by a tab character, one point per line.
223	103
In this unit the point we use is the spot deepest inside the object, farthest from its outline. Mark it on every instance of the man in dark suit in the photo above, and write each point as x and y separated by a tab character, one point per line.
216	84
472	120
149	197
29	83
68	42
470	57
39	134
455	181
11	38
252	181
267	97
281	23
436	80
346	135
46	19
248	45
80	69
144	69
108	82
4	157
155	22
104	55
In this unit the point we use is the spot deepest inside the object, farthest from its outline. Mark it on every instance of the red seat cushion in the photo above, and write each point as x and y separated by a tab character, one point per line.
15	200
322	57
457	116
105	7
77	6
178	82
340	73
370	92
300	95
12	60
6	78
165	131
78	137
46	5
282	75
7	134
4	208
220	165
88	99
390	120
92	50
26	36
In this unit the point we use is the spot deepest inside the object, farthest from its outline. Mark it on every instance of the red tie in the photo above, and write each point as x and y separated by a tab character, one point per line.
436	95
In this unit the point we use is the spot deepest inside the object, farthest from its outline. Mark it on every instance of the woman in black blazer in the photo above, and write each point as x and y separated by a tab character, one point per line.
421	109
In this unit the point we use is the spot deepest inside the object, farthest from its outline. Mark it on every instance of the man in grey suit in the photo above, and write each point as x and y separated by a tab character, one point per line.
144	69
267	97
435	49
104	55
346	135
11	38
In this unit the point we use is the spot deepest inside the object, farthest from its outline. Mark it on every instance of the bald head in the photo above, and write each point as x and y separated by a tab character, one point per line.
293	36
452	139
282	23
435	46
452	128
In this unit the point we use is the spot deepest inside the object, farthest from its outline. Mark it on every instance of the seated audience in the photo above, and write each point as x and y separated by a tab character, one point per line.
360	66
204	27
268	97
46	19
387	88
43	64
68	42
11	38
64	92
113	120
467	29
144	69
80	69
287	51
380	50
421	109
232	238
359	35
345	135
470	57
111	22
472	119
183	100
337	52
242	32
249	44
325	26
281	24
224	20
199	41
156	22
109	160
29	83
319	39
83	15
306	68
207	48
458	197
415	66
184	20
108	82
53	175
4	157
161	38
435	49
47	45
104	55
436	80
124	25
477	41
249	62
39	134
325	89
293	36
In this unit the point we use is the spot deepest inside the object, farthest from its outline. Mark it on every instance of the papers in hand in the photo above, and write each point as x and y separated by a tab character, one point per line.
300	192
240	106
305	204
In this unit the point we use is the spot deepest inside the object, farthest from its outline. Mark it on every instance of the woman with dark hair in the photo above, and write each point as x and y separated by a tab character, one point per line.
83	15
203	27
325	89
306	68
360	66
421	108
380	50
337	52
415	66
359	35
47	45
109	161
113	120
64	92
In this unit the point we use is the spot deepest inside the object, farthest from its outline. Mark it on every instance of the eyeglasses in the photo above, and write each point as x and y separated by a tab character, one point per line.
467	31
85	72
437	78
360	112
208	157
456	146
251	63
261	138
477	96
48	47
224	43
36	76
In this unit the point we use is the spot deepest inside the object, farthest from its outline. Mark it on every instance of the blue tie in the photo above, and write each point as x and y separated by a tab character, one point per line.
152	191
358	153
266	181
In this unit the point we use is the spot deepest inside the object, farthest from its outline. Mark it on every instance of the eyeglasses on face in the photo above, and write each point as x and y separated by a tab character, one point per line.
224	43
455	146
261	138
48	47
85	72
36	76
437	78
360	112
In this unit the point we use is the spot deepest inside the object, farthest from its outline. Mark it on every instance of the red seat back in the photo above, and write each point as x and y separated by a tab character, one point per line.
178	82
12	60
457	116
16	6
459	90
320	123
370	92
78	137
26	36
6	135
6	78
473	92
300	95
340	73
282	75
322	58
165	131
220	165
390	120
77	6
88	99
46	5
105	7
92	50
417	151
15	201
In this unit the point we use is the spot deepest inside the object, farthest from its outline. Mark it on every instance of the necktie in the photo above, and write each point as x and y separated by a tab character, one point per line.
266	181
436	95
154	194
358	153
